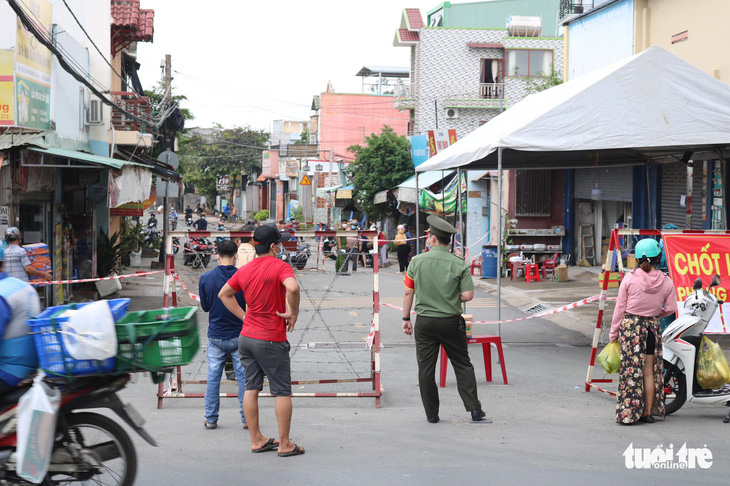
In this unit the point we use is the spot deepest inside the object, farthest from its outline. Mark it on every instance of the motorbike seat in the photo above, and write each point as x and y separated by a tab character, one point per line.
12	397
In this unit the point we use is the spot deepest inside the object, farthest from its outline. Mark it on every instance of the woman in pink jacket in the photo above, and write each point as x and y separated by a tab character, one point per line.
645	296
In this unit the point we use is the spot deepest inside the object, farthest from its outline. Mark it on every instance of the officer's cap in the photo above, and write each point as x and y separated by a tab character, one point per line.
439	227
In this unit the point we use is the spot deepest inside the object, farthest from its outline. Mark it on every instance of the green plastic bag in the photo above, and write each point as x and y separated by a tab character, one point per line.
712	366
610	358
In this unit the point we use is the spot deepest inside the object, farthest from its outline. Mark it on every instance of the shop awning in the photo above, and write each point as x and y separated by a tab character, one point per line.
406	190
323	191
380	197
85	157
261	178
345	192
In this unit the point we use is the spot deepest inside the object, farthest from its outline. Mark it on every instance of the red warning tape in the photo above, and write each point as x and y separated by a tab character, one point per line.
58	282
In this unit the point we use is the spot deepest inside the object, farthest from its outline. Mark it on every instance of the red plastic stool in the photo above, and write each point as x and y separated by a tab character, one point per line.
486	342
476	263
532	272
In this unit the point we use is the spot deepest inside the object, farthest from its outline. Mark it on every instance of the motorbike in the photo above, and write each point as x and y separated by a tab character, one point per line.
197	251
88	447
297	259
151	235
681	341
189	219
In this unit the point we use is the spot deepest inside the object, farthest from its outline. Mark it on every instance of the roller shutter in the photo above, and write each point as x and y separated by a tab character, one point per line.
615	184
673	187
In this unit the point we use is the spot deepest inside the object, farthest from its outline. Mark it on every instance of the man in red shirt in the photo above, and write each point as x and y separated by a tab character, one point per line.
268	284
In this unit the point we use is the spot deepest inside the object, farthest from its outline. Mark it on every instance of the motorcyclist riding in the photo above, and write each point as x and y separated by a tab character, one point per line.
18	302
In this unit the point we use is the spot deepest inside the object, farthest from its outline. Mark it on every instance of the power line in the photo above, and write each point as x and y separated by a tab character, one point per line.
23	17
92	42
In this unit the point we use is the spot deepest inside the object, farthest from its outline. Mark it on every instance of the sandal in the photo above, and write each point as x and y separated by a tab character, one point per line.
298	451
269	446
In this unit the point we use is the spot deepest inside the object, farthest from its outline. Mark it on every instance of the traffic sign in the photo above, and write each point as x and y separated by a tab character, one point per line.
305	181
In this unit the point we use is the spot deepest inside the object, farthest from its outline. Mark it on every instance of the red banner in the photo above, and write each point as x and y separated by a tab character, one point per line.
690	257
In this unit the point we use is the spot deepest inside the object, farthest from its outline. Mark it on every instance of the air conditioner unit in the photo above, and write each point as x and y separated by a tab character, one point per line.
94	112
452	113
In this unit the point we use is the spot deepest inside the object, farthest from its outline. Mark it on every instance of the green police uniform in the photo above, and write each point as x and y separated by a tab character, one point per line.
438	278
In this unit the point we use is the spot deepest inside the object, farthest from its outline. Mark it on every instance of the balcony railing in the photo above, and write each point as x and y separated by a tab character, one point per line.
570	7
134	104
487	91
402	91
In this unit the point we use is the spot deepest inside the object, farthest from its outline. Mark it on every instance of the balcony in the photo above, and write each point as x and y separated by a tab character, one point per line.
134	104
573	7
404	99
473	95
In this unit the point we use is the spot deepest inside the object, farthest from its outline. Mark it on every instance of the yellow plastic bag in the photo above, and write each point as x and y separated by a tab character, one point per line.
713	370
610	358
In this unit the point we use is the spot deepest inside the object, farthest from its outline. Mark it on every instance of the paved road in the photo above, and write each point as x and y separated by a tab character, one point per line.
546	429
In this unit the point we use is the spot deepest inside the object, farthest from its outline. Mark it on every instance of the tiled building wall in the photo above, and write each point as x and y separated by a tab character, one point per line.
442	58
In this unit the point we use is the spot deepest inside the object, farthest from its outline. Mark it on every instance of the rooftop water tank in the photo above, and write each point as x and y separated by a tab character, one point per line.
522	26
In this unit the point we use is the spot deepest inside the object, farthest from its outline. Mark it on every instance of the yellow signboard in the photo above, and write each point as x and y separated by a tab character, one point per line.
33	67
7	102
305	181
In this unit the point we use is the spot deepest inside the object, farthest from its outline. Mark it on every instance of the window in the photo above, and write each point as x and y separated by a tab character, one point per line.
532	63
533	189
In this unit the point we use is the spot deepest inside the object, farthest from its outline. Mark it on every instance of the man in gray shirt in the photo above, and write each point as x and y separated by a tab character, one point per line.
17	264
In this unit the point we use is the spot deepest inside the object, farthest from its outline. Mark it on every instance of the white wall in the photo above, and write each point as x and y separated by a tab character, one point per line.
601	38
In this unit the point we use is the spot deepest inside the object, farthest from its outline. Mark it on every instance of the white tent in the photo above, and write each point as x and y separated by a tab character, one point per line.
652	106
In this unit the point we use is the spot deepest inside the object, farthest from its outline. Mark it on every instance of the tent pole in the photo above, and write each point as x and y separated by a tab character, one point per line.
499	243
648	196
461	226
418	224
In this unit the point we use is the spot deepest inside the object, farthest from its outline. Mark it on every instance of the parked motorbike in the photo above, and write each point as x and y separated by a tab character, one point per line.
297	259
197	251
88	447
681	340
175	245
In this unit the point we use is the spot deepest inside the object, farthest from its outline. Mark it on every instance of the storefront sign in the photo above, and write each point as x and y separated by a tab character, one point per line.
292	168
419	150
690	257
33	69
135	209
223	184
7	100
439	140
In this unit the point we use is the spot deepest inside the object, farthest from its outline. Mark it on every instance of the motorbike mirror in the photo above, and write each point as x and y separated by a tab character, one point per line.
715	281
697	285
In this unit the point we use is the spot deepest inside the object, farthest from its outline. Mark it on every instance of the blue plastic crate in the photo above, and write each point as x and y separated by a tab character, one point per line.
118	307
52	354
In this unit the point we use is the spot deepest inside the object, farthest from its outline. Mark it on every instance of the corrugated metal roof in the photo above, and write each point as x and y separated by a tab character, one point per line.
386	71
94	159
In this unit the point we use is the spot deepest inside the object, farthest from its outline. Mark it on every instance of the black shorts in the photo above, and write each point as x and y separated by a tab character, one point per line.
650	343
270	358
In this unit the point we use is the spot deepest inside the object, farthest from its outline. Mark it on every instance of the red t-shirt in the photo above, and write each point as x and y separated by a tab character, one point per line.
261	281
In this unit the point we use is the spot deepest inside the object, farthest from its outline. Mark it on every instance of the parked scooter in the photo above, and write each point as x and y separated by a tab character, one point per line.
88	447
196	252
299	258
681	341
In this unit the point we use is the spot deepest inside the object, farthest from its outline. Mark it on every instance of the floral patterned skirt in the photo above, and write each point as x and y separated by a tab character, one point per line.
632	341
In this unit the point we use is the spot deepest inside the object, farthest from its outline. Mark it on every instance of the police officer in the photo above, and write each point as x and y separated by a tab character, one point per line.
440	282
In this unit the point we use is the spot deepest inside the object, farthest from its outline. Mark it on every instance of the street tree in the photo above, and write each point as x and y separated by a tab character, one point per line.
382	163
206	155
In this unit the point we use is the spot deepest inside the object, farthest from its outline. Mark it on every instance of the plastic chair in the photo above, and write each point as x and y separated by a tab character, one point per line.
549	265
532	272
513	267
486	342
476	263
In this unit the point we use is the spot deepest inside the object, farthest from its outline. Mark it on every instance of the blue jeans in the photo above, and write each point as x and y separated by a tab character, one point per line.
218	351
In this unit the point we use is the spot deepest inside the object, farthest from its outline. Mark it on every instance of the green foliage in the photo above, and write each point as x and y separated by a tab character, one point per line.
108	253
304	138
297	213
261	215
158	94
225	152
535	85
384	162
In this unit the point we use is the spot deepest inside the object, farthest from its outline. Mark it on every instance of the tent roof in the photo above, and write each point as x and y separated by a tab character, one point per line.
652	106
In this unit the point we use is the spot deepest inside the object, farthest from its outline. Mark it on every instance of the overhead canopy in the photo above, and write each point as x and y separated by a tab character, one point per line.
652	106
84	157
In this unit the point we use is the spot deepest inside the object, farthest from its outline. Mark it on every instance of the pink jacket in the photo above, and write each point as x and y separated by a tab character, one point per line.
643	294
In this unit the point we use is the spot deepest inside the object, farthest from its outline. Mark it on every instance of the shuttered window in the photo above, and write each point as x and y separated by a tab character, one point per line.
533	190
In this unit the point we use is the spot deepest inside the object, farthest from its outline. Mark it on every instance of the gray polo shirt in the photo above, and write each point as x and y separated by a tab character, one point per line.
15	261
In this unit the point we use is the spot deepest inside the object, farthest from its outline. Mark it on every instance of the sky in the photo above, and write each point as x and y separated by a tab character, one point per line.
248	63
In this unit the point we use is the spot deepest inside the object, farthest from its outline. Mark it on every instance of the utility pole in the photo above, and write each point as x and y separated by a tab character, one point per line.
168	145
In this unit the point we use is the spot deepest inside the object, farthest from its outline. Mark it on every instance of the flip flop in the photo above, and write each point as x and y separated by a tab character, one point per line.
269	446
298	451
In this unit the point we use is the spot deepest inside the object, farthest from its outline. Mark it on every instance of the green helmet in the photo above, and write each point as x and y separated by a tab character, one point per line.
647	248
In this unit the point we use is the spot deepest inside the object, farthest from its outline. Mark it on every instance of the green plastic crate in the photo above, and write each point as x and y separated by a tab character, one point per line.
146	341
165	353
147	323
